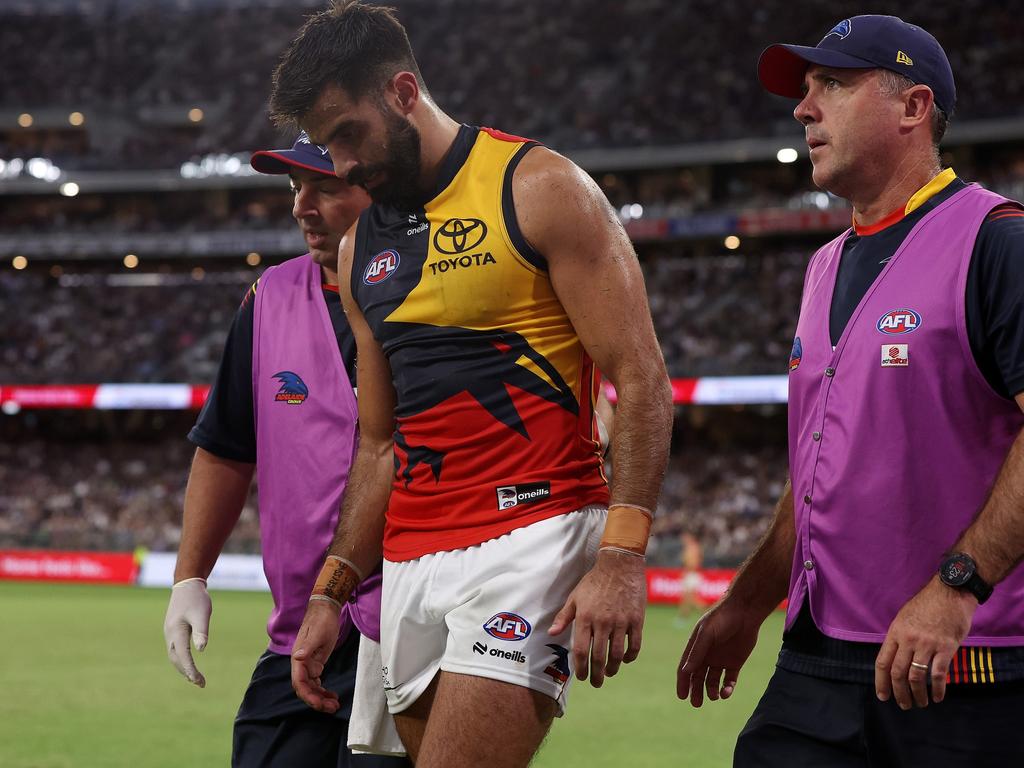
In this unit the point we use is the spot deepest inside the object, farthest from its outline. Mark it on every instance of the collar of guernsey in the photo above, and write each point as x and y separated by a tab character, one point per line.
919	198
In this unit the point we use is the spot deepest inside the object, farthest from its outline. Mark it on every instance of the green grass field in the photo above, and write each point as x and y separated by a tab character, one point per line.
85	681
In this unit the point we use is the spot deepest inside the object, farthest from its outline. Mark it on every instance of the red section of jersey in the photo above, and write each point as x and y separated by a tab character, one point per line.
482	494
502	136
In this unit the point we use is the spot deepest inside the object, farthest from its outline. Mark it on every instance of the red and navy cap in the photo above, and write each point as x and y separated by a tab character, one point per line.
303	154
872	41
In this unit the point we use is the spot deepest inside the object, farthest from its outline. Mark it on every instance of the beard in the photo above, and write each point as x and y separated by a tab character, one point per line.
401	167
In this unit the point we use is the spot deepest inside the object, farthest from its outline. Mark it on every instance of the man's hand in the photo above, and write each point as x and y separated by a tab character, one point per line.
313	645
927	632
721	642
608	606
188	612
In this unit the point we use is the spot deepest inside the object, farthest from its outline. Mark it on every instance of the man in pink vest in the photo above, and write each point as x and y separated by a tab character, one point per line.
898	536
283	406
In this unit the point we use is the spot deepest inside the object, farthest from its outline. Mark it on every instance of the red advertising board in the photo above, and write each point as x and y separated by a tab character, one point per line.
665	585
85	567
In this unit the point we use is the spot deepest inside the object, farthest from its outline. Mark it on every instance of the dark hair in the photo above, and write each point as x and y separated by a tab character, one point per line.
355	46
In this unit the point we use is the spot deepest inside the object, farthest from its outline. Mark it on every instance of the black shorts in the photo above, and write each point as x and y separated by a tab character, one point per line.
810	721
275	728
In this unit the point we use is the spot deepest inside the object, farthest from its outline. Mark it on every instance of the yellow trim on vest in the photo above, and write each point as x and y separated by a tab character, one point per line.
929	190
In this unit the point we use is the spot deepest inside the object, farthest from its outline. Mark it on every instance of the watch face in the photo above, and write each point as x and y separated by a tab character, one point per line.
957	570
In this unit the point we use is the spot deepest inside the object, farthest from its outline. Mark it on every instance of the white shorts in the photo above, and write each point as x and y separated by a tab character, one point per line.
485	610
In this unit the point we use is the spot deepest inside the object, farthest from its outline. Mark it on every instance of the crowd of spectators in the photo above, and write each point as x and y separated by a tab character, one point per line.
117	489
576	75
722	314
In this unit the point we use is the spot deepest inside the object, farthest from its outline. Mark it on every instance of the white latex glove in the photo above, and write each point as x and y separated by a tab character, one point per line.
187	613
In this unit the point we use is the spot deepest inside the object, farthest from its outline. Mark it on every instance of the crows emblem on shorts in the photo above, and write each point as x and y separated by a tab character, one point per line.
559	668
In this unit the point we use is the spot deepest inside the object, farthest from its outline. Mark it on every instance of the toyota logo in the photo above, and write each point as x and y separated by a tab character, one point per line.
459	235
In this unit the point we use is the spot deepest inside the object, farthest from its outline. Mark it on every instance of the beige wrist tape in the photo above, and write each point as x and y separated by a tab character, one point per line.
337	581
627	529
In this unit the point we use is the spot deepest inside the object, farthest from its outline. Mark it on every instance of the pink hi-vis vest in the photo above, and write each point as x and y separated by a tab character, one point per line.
305	412
895	436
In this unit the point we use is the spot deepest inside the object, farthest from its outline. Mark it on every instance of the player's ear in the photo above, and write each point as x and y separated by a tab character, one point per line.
406	90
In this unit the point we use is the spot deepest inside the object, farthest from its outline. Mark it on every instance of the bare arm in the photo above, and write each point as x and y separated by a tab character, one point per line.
359	535
927	631
595	274
723	638
214	498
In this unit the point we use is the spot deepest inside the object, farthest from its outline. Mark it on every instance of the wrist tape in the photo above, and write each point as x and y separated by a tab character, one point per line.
337	581
627	529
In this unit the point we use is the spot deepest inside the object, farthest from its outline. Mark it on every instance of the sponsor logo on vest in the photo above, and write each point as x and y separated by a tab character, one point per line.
381	267
464	261
417	230
895	356
457	236
897	321
525	493
293	389
559	668
507	626
796	355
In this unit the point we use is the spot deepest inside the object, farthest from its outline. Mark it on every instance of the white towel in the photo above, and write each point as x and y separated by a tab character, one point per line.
371	729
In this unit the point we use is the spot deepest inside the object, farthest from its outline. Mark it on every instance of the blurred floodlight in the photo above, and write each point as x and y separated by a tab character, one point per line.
69	189
52	173
37	167
253	259
636	211
787	155
732	242
195	115
198	273
131	261
76	118
19	262
10	407
25	120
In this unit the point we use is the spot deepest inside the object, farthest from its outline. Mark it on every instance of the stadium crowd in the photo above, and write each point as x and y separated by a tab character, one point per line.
571	77
105	488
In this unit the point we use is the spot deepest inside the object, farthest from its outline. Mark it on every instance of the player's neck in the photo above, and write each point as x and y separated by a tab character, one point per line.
893	191
437	134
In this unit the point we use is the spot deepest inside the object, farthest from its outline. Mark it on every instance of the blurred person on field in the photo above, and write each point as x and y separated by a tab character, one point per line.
284	407
899	535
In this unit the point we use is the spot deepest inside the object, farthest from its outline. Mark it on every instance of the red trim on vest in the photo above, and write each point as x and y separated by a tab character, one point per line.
873	229
502	136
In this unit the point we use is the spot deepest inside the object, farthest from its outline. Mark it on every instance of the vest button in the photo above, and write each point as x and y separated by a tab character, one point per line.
807	499
816	436
830	371
809	565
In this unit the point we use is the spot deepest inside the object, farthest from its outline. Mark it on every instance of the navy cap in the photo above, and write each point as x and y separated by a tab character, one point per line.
303	154
887	42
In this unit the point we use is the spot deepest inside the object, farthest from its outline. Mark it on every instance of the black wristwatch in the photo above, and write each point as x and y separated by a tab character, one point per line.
959	571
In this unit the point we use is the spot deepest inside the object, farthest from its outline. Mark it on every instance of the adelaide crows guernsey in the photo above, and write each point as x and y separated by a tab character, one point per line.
494	422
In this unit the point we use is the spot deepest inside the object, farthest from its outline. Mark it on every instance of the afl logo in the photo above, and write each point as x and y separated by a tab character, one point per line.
381	267
459	235
508	626
898	321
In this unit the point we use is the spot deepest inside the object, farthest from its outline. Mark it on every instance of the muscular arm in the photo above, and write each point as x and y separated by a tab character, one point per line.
595	273
360	532
214	499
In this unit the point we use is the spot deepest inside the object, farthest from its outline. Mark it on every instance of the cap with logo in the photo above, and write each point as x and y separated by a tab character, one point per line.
885	42
303	154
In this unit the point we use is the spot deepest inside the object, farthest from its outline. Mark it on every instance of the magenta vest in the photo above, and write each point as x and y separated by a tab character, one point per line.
305	413
895	436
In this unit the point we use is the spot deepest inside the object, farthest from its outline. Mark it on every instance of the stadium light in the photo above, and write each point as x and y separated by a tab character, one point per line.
732	242
11	407
253	259
198	273
19	262
76	119
636	210
131	261
25	120
195	115
787	155
69	189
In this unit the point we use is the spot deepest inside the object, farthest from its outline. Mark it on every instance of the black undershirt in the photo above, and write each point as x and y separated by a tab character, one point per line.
225	426
994	311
